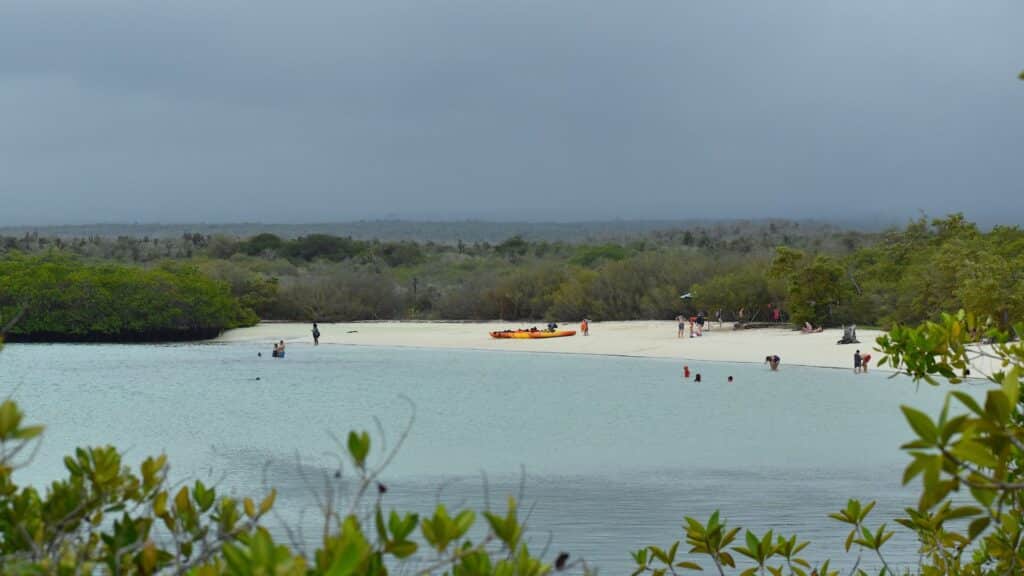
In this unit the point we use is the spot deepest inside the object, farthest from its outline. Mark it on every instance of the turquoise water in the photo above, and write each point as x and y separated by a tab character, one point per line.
615	450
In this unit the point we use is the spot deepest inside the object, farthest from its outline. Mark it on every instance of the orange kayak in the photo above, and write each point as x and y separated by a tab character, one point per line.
532	334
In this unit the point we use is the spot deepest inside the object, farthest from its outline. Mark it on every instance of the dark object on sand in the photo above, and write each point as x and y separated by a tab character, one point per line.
849	335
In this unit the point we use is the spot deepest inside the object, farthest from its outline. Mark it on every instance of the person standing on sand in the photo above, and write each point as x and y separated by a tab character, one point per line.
864	363
585	327
682	327
316	335
857	361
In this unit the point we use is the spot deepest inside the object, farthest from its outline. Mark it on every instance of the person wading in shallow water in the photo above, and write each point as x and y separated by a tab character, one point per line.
316	335
864	359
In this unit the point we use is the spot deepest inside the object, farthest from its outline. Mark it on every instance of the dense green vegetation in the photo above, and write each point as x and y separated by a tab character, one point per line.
62	299
815	273
909	276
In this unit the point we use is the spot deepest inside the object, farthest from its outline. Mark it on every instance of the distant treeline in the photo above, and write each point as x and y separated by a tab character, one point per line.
816	274
450	232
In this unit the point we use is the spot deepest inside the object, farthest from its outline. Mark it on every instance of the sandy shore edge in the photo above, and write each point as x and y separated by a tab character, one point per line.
641	339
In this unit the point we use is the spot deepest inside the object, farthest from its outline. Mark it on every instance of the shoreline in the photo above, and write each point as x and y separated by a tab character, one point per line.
631	339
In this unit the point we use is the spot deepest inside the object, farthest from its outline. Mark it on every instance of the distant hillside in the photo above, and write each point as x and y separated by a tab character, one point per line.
468	231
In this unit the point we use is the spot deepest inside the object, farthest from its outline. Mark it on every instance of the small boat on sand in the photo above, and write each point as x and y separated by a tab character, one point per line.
532	333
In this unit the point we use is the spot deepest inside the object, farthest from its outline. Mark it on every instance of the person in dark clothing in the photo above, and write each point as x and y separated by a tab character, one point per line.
857	361
316	335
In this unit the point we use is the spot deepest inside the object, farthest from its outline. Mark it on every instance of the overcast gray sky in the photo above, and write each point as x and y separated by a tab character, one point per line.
326	110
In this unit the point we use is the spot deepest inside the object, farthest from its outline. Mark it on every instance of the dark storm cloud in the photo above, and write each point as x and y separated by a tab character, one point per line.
313	111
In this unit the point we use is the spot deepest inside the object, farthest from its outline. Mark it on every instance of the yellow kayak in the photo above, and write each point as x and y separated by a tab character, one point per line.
532	334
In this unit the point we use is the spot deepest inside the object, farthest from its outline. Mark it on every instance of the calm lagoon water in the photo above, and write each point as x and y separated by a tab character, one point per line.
615	450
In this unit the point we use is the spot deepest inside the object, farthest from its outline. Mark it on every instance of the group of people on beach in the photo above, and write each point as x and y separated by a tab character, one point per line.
698	323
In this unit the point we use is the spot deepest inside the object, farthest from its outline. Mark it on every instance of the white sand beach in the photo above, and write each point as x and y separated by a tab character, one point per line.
653	339
646	339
